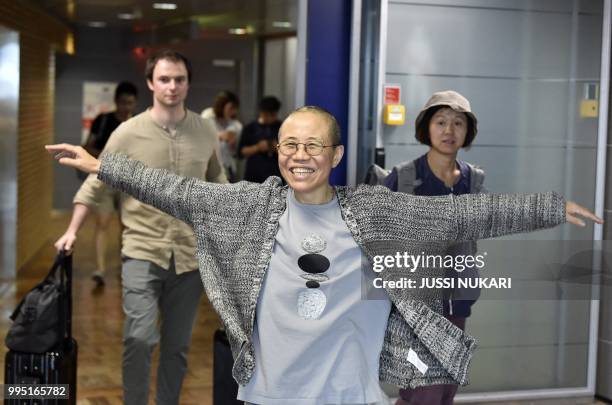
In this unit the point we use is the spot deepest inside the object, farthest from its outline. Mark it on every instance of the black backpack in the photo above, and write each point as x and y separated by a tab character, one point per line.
42	320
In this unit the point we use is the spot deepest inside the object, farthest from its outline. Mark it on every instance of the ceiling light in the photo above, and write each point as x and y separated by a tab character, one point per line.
96	24
126	16
70	8
281	24
164	6
69	44
224	63
238	31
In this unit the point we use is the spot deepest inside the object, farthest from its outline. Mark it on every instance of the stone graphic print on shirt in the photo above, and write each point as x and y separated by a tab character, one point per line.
311	301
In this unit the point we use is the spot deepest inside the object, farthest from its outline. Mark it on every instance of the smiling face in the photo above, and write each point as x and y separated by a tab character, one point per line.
308	175
447	131
169	84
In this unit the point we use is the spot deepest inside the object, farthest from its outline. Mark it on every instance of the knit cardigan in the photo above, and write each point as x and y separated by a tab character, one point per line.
235	226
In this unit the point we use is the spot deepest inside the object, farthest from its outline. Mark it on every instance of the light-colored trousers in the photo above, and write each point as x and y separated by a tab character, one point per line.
160	307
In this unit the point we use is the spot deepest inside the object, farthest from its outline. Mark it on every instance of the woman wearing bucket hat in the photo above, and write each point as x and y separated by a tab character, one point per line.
446	124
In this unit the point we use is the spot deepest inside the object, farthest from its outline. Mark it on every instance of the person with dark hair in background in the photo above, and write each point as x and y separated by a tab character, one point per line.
160	282
224	115
445	124
126	98
258	142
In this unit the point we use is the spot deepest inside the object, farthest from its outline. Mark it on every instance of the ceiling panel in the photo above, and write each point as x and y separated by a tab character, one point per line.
204	17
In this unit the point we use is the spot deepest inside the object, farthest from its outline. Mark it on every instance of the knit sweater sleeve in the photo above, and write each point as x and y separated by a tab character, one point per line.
482	216
384	215
168	192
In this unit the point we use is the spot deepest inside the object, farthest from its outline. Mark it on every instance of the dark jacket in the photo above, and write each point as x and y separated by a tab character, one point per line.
458	301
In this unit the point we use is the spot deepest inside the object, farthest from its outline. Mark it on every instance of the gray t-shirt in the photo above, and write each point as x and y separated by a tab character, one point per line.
318	345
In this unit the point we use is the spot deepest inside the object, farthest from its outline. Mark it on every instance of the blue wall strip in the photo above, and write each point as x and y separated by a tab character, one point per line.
327	66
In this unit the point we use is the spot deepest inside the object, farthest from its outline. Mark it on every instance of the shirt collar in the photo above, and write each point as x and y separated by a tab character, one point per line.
428	175
166	129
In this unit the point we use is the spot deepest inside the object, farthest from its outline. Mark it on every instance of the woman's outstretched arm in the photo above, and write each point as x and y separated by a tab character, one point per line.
159	188
489	215
468	216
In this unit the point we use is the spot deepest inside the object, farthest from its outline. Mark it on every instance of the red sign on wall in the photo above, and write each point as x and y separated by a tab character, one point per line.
392	93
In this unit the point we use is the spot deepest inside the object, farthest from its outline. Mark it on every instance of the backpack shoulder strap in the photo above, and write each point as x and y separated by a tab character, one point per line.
477	177
375	175
406	177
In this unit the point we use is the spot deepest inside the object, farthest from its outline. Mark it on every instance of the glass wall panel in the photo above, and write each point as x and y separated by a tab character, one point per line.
528	67
9	101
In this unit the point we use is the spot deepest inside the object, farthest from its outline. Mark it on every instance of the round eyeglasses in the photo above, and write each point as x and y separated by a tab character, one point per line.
289	148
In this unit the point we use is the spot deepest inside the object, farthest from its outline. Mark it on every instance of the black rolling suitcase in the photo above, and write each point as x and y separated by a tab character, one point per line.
225	388
42	349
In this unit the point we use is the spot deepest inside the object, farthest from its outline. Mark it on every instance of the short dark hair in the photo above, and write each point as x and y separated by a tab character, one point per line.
422	131
167	54
222	99
126	88
333	126
269	104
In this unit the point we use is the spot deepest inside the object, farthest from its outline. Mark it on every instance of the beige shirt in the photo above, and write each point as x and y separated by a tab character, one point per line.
149	234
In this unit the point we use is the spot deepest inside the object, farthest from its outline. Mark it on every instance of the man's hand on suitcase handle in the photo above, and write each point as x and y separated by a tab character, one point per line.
74	156
66	242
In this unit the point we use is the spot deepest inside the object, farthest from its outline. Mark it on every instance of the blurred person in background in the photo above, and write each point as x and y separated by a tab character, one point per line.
126	99
224	115
259	140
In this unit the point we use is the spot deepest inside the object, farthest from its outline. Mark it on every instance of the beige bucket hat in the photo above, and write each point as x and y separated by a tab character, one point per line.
453	100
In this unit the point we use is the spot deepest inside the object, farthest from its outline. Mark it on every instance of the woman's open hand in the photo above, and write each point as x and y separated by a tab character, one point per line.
74	156
573	211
